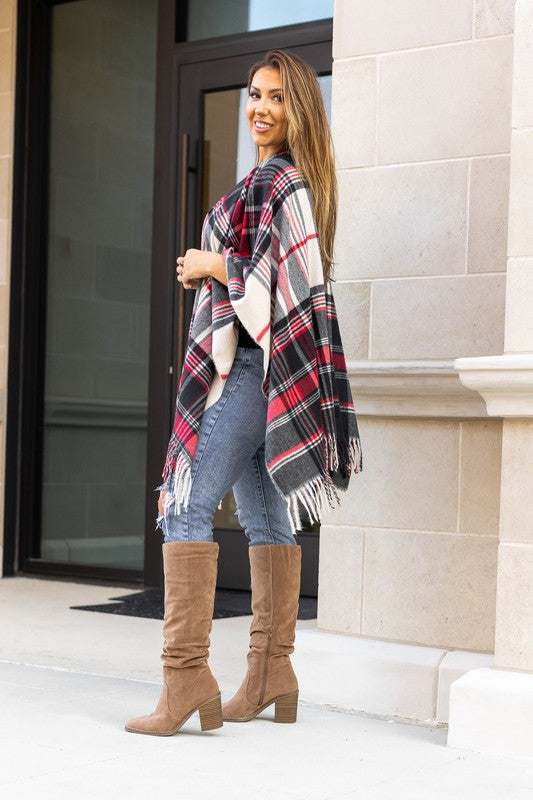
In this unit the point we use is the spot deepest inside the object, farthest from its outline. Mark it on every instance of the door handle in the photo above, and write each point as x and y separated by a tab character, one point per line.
182	244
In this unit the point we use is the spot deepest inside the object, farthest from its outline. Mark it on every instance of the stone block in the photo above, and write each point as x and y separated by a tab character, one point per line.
375	26
522	64
445	102
488	214
409	476
402	221
384	678
6	123
493	17
340	579
430	588
520	195
491	712
438	317
354	112
352	301
6	71
451	668
517	482
479	490
514	609
519	306
5	187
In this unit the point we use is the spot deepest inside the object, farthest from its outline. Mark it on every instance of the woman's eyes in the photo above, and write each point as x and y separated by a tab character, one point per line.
276	97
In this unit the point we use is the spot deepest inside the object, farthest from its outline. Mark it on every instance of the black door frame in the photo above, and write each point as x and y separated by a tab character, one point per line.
27	313
182	67
28	270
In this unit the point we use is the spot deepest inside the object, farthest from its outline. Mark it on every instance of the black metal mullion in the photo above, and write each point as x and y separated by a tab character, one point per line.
28	310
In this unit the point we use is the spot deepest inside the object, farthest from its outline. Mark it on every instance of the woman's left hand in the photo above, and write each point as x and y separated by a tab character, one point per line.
194	265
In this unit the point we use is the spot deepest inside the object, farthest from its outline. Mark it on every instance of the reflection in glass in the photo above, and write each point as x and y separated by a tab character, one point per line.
207	18
98	290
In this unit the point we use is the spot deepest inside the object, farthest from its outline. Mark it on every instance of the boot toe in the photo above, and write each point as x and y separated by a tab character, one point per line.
151	724
140	724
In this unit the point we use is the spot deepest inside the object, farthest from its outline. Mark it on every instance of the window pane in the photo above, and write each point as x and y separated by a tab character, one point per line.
207	18
98	286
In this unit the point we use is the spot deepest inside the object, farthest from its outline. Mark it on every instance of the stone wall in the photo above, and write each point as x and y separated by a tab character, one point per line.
422	129
490	710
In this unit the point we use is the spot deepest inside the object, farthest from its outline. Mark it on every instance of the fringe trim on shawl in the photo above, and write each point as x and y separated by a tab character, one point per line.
354	455
318	493
314	495
181	486
332	457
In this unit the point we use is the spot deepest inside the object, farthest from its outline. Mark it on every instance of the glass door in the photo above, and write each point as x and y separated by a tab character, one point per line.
100	183
118	154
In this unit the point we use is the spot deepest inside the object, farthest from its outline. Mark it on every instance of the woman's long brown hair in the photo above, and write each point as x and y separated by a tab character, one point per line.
309	142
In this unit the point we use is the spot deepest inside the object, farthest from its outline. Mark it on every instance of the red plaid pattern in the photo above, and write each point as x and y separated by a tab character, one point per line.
265	229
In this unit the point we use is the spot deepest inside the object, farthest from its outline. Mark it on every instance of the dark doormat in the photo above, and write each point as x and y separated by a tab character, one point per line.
228	603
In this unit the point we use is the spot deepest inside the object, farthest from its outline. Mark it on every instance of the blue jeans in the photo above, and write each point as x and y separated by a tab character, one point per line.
230	453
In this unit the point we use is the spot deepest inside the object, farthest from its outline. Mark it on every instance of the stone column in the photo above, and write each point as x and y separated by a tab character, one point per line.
421	117
491	710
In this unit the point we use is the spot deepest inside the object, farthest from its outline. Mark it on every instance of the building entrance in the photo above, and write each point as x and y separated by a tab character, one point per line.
145	129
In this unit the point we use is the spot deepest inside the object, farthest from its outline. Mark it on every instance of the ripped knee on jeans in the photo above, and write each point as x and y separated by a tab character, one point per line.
164	502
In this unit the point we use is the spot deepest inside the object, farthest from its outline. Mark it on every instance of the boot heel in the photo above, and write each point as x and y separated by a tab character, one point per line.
286	708
211	714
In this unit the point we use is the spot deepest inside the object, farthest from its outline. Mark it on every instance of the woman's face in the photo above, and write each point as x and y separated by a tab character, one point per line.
266	112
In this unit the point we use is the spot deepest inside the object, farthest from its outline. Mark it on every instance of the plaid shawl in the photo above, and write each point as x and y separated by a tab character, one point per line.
264	227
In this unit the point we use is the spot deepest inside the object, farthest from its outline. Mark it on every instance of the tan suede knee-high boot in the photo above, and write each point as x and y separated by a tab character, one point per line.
190	570
275	572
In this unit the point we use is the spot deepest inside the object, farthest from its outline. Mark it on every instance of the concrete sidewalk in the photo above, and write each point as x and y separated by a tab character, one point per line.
69	679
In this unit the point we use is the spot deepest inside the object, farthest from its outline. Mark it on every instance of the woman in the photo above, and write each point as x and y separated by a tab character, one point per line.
264	405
